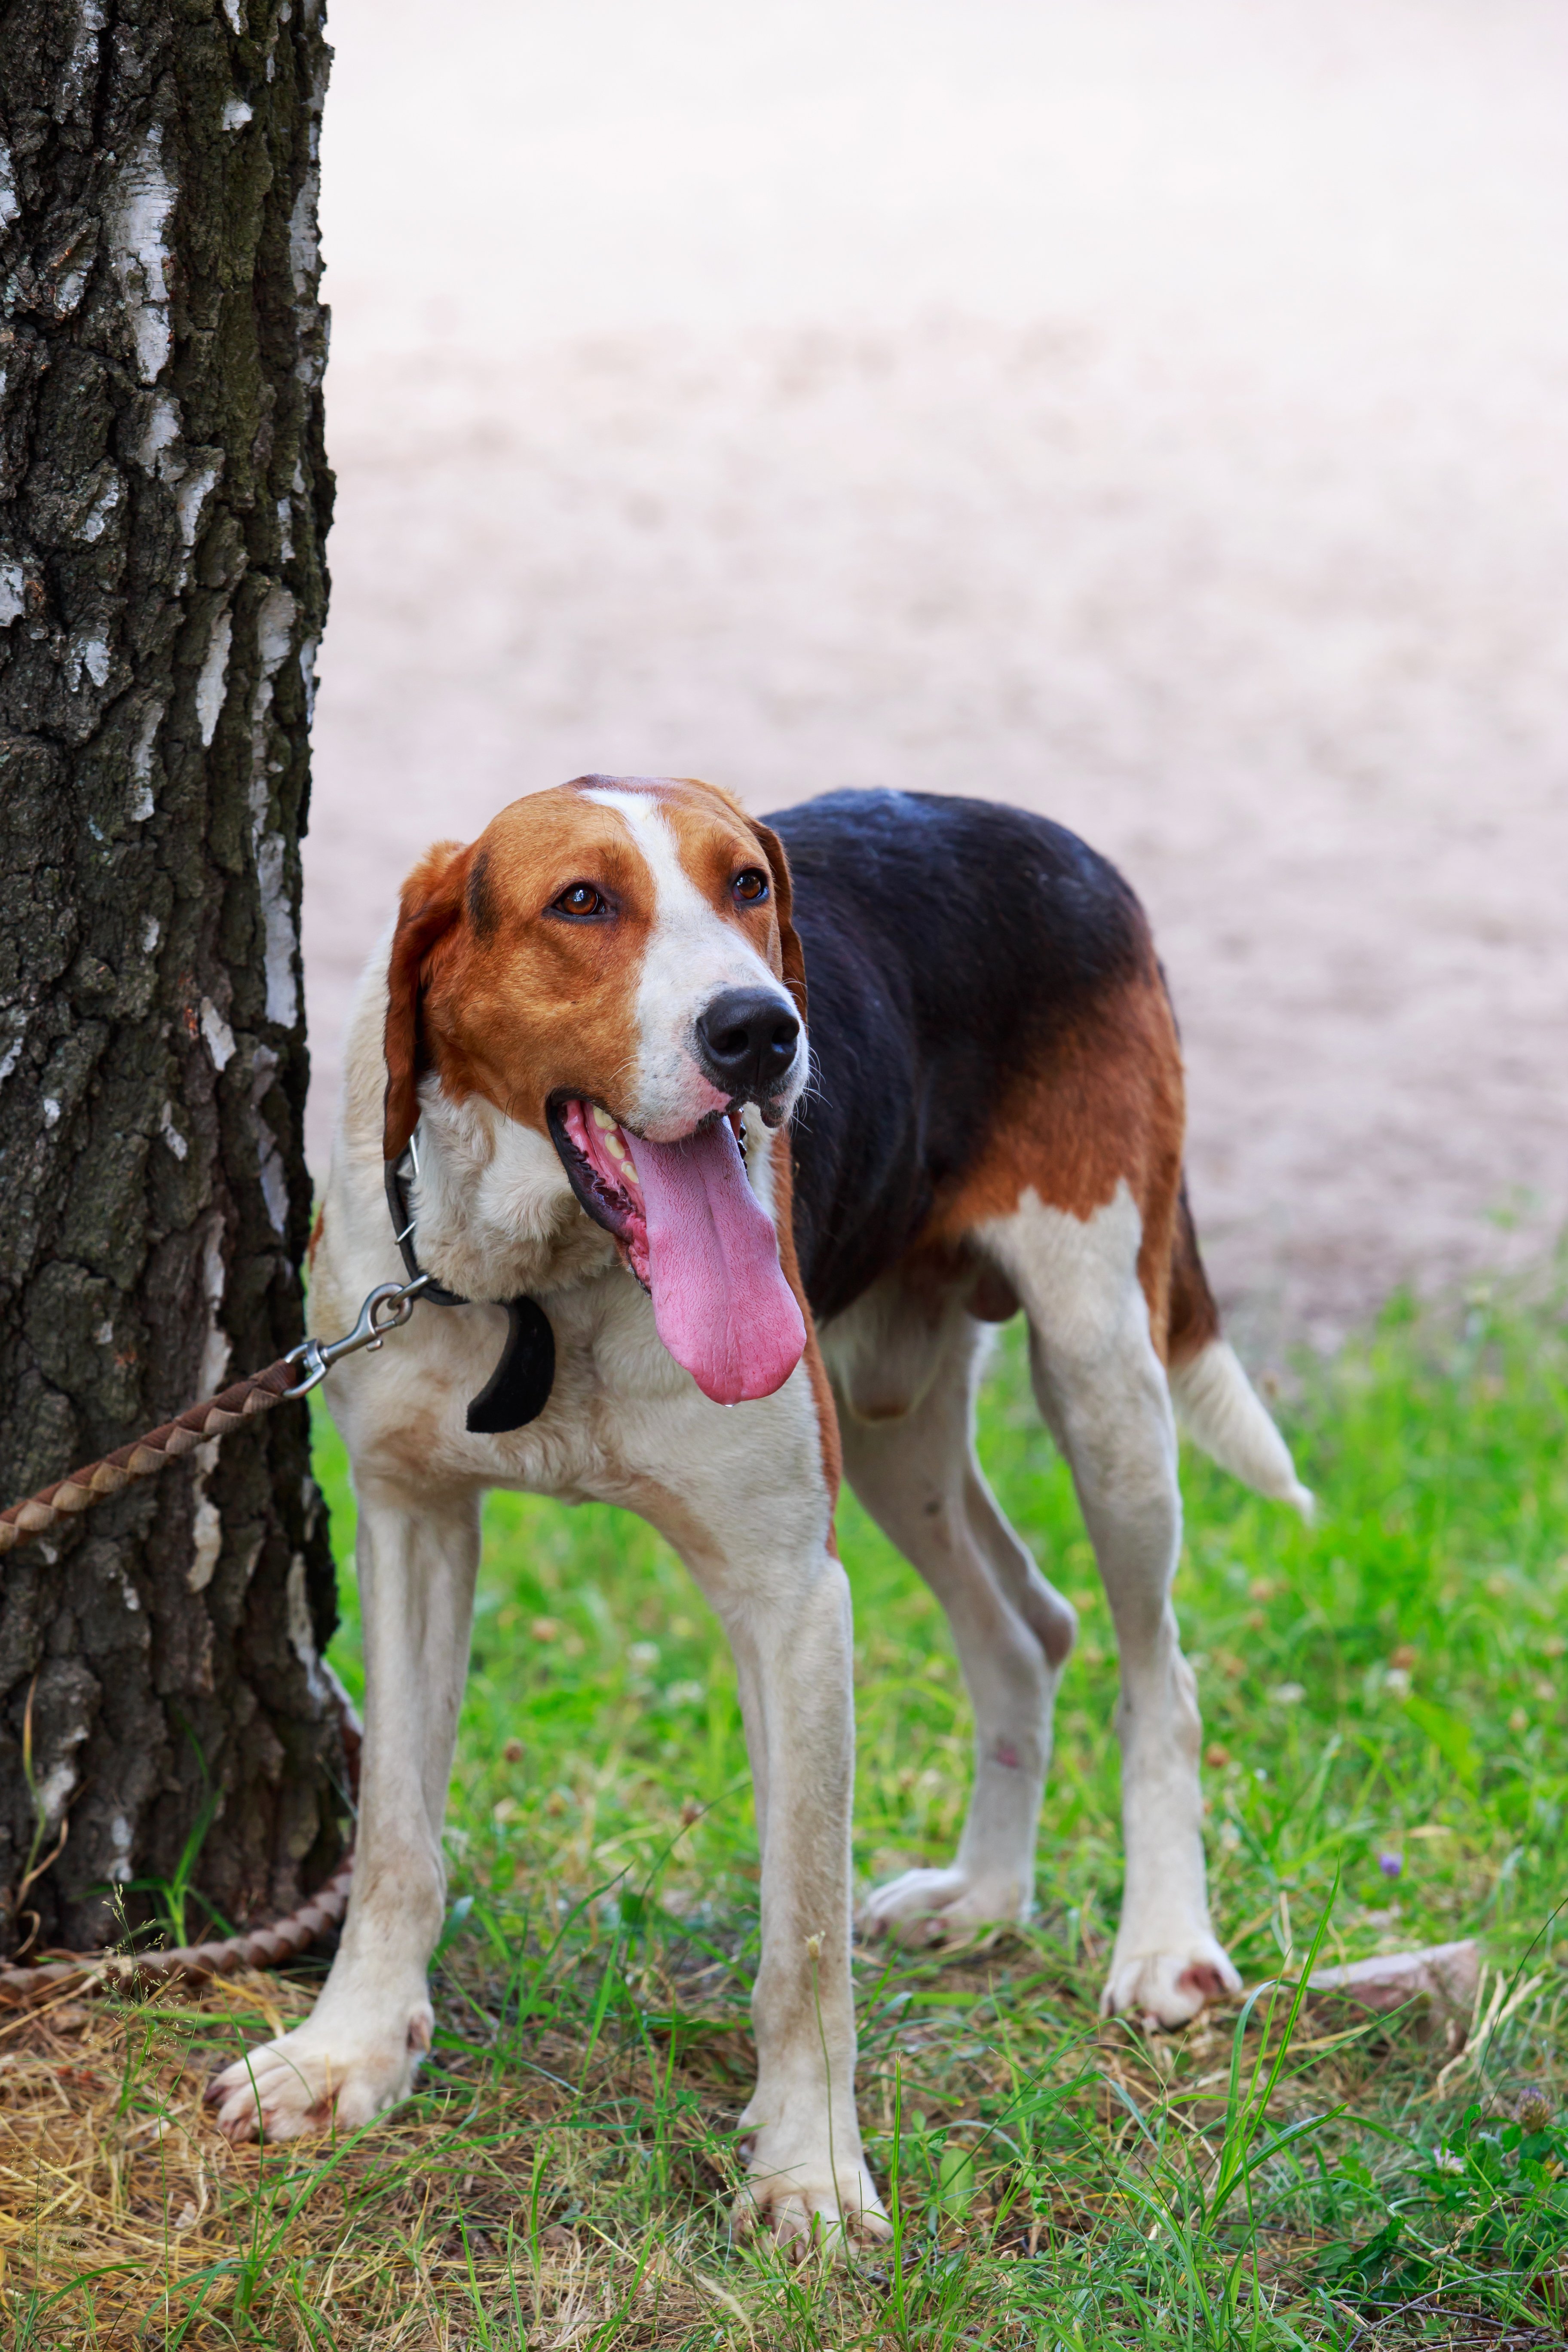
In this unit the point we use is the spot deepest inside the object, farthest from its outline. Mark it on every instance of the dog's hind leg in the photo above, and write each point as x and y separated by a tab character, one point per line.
1103	1389
359	2050
918	1476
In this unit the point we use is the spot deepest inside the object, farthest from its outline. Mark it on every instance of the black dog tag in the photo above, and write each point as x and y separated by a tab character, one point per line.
518	1391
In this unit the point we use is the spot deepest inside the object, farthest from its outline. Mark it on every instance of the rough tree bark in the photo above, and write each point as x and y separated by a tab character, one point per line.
164	501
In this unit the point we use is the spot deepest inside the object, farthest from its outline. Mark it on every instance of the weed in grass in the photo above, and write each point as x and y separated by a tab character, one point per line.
1386	1766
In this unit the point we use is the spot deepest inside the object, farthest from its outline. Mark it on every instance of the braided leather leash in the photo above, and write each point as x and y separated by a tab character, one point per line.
388	1306
260	1947
100	1479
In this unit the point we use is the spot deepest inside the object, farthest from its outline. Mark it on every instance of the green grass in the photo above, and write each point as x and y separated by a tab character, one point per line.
1442	1532
1381	1693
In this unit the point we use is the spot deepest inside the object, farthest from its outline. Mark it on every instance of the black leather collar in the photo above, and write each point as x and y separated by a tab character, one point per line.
518	1388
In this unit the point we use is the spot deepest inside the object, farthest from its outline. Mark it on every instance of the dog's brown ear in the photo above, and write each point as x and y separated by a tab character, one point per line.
790	949
432	901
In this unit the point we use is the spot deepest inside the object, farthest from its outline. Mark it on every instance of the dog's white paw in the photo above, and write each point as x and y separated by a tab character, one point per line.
800	2205
1170	1988
319	2077
927	1907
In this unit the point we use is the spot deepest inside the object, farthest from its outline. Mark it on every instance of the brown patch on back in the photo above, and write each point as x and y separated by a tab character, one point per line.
316	1232
1105	1103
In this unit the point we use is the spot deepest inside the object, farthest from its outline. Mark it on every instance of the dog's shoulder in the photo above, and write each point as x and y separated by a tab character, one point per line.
952	948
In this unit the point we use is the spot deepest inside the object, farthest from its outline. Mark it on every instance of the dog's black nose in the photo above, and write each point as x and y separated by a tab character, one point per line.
747	1039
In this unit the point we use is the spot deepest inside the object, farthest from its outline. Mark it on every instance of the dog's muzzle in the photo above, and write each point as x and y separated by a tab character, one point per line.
747	1042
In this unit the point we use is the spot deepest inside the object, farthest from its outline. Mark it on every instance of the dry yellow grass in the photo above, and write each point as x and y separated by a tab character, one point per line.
126	2218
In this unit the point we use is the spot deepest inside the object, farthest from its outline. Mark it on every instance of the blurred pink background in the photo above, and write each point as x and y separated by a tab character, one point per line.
1154	411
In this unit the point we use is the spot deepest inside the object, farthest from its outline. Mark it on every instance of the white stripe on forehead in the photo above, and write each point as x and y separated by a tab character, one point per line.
692	954
680	906
678	902
651	830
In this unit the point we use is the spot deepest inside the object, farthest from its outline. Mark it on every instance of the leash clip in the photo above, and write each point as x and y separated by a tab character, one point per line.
387	1308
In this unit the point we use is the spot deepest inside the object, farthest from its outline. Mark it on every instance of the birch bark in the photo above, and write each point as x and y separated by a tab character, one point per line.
163	503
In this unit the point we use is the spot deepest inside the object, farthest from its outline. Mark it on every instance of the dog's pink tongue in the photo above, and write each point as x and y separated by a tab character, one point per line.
721	1303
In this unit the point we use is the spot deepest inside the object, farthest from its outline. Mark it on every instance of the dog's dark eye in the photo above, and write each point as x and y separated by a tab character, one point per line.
750	886
581	898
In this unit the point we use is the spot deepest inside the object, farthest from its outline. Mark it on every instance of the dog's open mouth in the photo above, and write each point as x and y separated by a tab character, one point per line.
604	1176
697	1239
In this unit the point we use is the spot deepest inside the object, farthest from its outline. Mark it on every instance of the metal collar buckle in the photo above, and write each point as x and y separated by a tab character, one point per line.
387	1308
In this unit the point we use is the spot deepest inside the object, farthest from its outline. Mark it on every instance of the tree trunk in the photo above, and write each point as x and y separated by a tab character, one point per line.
164	501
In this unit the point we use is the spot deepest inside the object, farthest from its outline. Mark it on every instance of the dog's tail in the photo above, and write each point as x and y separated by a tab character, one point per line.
1216	1402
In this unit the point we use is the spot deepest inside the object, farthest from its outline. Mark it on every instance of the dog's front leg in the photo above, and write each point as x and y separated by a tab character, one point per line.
789	1626
357	2053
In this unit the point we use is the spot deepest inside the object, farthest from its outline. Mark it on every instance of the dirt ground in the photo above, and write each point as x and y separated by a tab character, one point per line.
1155	413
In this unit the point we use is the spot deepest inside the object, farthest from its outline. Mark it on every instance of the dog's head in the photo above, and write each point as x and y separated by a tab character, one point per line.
612	964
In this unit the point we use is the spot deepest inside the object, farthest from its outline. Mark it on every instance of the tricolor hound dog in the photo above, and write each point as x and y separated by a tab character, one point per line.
595	1016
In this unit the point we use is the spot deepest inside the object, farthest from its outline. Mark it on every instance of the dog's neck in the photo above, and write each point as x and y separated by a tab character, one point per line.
494	1214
